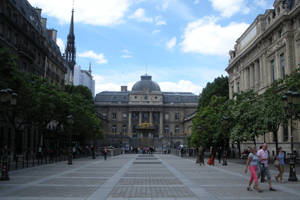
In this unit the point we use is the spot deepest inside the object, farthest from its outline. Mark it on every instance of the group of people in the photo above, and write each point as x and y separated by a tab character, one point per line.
258	164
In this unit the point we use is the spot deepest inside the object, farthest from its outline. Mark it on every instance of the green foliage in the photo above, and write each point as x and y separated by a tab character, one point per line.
39	102
219	87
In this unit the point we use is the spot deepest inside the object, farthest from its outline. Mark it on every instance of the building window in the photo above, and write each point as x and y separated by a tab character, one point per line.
238	87
232	89
145	97
166	130
177	116
155	117
124	129
114	129
177	130
282	65
166	116
272	71
114	116
145	117
135	115
124	115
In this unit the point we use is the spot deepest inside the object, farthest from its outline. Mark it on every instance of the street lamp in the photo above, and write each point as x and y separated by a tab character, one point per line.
70	123
94	146
225	121
292	98
7	96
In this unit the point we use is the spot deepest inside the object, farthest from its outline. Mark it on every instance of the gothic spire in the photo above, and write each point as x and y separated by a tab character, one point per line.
70	51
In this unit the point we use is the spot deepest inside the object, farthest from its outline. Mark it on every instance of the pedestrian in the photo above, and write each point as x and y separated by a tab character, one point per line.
211	160
261	172
252	162
200	155
219	153
280	159
263	157
105	153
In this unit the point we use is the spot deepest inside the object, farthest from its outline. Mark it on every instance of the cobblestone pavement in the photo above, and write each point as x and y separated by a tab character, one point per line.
138	177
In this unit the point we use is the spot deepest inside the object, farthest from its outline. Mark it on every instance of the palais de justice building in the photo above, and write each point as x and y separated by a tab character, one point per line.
146	116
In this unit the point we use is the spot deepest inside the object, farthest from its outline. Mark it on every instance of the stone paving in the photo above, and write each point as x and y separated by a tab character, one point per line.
138	177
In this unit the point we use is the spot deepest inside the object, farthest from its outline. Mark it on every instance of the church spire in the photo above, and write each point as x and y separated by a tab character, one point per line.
90	68
70	51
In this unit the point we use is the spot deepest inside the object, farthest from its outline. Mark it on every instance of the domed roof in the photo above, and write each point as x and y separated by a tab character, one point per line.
146	84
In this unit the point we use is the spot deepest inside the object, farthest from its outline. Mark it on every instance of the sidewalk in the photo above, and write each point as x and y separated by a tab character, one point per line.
137	177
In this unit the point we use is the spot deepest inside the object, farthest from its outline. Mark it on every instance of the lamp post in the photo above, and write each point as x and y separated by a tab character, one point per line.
292	98
70	123
7	96
225	121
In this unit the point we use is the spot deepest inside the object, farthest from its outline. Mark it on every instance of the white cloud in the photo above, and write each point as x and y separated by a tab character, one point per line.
95	12
181	86
60	44
206	37
140	16
159	21
230	7
196	1
171	43
100	59
155	31
126	54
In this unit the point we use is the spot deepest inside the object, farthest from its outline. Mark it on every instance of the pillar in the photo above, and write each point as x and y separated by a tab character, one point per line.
151	118
161	124
140	117
129	124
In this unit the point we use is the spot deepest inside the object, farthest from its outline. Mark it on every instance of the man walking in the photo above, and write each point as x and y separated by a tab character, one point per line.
263	157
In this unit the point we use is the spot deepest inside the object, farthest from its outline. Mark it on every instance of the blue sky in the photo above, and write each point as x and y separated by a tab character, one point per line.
183	44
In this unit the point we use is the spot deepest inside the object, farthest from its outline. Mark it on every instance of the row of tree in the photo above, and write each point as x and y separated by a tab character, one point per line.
40	103
243	118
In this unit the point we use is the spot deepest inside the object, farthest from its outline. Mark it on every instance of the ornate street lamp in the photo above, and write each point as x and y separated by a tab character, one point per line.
292	98
70	123
225	121
7	96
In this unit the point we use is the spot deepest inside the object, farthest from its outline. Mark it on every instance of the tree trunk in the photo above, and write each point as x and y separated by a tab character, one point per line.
239	148
254	140
275	134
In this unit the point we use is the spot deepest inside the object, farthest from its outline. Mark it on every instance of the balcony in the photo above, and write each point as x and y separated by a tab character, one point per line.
145	126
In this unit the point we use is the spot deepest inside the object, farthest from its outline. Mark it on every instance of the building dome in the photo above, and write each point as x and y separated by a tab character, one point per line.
146	84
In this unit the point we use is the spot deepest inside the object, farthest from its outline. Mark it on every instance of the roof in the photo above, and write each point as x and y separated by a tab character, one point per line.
107	96
168	97
146	84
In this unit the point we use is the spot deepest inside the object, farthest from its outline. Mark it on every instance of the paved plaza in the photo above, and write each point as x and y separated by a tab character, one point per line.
139	177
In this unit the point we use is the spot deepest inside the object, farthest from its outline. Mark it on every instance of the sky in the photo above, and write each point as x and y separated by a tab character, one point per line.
183	44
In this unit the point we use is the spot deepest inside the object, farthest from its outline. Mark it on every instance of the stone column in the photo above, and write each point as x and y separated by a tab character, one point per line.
161	124
151	118
129	124
140	117
251	76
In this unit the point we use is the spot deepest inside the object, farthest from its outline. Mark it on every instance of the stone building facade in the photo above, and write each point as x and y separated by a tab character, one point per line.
24	31
84	77
267	51
145	116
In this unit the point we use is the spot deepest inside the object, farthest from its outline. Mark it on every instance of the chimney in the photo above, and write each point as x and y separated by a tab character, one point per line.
44	23
123	88
38	11
52	34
